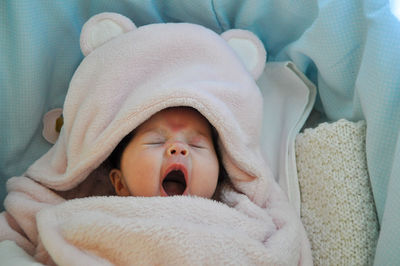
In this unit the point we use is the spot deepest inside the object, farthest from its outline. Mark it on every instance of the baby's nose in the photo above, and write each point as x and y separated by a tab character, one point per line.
177	149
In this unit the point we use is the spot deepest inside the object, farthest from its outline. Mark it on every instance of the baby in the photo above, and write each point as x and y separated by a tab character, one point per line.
172	153
175	110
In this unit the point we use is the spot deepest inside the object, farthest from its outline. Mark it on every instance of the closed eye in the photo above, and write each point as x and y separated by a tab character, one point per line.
154	143
197	146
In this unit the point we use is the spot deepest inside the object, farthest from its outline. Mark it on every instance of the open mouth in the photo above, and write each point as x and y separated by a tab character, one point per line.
174	183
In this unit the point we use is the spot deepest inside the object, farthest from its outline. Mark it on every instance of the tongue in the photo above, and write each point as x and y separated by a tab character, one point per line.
173	188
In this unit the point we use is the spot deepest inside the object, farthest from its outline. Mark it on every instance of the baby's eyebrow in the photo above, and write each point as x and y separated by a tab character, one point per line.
164	132
200	133
156	130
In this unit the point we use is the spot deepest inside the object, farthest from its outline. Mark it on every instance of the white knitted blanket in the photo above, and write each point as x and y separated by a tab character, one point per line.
338	209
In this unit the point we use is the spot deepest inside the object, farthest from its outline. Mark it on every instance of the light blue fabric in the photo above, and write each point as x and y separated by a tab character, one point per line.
350	49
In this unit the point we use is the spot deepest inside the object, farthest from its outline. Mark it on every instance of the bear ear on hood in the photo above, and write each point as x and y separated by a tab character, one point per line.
249	48
101	28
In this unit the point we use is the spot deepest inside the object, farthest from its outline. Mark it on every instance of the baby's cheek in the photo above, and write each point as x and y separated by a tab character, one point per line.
145	175
206	179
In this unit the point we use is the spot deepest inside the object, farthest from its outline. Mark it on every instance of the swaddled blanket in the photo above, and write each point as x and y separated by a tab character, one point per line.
177	230
168	231
128	75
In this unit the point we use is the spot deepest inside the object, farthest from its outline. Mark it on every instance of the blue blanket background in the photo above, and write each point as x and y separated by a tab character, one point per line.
350	49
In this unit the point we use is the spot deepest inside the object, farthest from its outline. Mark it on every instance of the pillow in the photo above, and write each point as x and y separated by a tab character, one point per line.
337	210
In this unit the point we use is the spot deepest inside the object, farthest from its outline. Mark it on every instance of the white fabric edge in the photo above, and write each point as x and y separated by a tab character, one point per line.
288	100
292	177
11	254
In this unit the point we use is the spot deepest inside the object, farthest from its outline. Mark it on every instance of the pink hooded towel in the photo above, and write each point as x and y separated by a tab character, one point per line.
129	74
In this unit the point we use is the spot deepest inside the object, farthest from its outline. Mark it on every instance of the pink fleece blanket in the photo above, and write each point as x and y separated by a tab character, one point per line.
128	75
176	230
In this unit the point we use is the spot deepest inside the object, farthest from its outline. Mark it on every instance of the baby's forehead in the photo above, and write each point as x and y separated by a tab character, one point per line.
175	119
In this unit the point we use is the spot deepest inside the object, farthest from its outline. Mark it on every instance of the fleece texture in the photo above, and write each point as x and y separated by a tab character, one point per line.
127	76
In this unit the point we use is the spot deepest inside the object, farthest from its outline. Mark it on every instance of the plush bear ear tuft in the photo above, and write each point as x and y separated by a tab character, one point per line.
52	124
249	48
101	28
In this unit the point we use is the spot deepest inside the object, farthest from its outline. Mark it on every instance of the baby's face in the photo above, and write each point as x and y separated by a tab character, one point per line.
172	153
